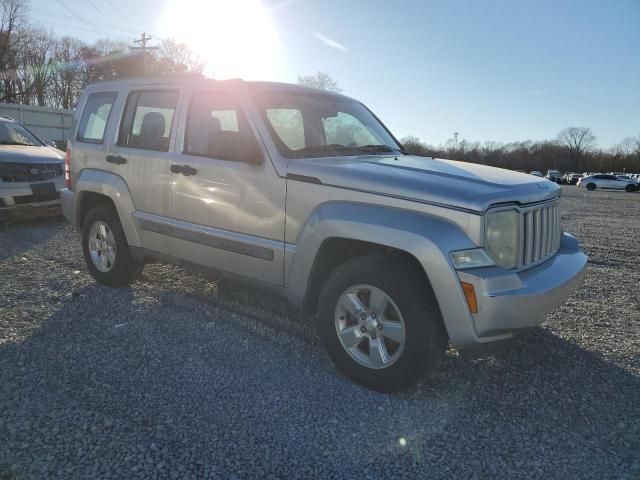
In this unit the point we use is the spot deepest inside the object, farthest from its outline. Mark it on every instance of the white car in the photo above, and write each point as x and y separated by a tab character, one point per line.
31	171
607	182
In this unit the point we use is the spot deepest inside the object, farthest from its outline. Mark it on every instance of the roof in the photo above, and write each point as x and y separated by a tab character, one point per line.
186	79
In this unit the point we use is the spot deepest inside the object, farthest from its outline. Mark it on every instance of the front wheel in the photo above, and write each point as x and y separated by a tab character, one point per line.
631	188
380	322
105	248
591	187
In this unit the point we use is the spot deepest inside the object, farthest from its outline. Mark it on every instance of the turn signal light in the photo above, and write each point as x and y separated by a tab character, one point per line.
67	168
470	295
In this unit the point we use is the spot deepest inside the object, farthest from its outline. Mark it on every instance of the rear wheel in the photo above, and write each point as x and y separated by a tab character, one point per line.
591	186
380	323
105	248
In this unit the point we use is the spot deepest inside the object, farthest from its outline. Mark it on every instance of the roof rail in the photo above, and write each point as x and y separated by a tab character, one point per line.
8	117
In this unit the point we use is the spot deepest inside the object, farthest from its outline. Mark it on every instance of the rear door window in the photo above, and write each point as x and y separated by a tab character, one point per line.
147	120
95	117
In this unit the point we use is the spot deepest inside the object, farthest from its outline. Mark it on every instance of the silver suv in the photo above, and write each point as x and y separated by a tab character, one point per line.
307	193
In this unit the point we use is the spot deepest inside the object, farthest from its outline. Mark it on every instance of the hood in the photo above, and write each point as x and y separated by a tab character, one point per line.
461	185
30	154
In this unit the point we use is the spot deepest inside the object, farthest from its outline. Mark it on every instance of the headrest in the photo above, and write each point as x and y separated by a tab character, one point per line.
152	128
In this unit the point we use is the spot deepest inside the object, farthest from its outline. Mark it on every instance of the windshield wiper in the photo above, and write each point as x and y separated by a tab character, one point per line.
380	148
327	149
5	142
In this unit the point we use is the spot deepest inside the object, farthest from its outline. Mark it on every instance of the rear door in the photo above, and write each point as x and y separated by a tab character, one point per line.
227	200
613	182
142	157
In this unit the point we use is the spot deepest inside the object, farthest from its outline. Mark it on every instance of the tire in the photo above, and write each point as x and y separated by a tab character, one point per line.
630	188
591	186
412	306
121	268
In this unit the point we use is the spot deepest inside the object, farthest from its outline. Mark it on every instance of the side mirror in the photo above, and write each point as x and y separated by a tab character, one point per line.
49	142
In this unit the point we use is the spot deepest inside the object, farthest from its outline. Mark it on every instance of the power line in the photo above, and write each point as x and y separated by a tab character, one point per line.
65	17
76	14
98	9
74	27
121	15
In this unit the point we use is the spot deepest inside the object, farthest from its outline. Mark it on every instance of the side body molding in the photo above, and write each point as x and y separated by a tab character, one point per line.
114	187
427	237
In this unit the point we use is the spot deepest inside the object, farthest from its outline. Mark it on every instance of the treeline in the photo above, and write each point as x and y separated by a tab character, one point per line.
574	150
39	68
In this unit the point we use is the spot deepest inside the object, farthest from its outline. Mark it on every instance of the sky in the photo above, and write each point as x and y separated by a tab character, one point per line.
492	70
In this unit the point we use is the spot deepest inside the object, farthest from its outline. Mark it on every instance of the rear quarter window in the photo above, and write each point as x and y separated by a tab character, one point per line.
95	116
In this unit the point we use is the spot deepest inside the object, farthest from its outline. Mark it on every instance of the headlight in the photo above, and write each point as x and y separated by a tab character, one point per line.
501	231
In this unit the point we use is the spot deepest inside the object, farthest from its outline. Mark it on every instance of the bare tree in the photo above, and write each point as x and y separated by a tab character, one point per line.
320	80
35	72
577	140
12	24
176	57
71	74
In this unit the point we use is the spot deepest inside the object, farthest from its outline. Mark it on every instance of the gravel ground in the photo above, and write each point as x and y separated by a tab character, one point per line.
185	377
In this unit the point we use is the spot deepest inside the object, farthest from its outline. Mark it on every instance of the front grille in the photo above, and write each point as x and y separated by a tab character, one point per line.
541	233
29	172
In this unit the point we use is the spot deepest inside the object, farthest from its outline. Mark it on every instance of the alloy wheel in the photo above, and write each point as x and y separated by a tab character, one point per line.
370	326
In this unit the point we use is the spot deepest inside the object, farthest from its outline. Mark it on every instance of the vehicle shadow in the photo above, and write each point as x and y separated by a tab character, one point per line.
114	370
22	230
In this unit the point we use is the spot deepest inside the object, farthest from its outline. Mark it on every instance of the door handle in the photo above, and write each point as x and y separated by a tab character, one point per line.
188	170
185	170
117	159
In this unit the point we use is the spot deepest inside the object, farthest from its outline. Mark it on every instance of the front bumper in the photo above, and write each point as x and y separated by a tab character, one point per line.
20	194
510	302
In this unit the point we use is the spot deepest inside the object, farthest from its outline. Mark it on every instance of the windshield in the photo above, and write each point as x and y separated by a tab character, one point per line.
15	134
317	125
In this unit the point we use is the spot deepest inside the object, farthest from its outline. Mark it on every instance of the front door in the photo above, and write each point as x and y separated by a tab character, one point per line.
227	200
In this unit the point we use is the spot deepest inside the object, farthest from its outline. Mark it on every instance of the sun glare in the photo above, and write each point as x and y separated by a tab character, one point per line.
235	37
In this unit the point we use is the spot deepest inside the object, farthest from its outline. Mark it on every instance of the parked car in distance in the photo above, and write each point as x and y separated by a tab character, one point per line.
536	173
31	172
575	177
607	182
626	177
554	176
307	193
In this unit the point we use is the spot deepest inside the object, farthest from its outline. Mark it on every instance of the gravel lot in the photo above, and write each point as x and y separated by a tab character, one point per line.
186	377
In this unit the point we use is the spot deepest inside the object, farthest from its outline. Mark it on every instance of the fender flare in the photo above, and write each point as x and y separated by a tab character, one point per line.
426	237
115	188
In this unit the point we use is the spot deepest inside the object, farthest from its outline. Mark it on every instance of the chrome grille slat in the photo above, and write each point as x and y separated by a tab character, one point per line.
541	233
544	233
537	220
528	238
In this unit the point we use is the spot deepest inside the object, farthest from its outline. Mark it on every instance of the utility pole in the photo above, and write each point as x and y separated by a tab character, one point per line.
143	40
455	140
